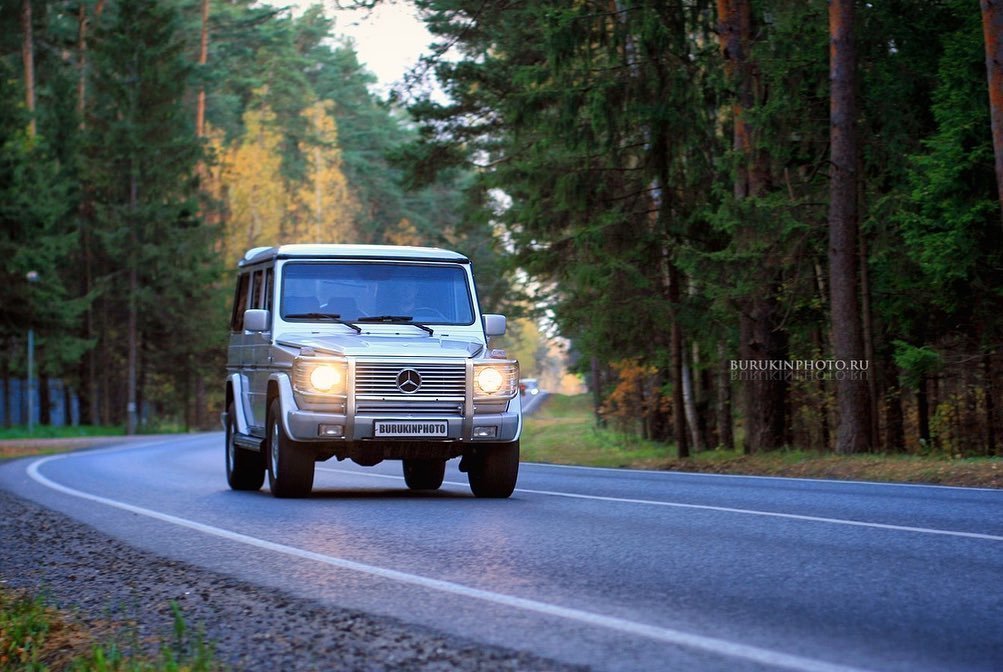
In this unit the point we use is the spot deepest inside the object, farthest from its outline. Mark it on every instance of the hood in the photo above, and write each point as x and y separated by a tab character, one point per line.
383	345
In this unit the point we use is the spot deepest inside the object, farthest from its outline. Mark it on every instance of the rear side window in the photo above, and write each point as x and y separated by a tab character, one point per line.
240	303
268	289
257	289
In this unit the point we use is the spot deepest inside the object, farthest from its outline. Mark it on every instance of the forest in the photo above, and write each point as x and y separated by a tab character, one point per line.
757	223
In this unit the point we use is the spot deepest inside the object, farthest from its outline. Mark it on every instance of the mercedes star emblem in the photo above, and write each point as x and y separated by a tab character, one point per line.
408	381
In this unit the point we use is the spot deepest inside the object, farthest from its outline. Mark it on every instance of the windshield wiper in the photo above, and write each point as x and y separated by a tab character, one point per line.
397	319
333	317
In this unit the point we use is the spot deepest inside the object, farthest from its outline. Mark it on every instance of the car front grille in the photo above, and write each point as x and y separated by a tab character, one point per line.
438	381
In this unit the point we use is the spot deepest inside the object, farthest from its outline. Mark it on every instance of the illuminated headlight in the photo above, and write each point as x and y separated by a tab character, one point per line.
325	378
498	380
490	380
319	377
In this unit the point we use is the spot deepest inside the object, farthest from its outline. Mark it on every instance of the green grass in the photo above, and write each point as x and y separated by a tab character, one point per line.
47	432
563	431
34	637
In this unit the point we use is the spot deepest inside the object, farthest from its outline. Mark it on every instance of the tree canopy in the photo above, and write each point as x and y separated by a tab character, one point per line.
688	193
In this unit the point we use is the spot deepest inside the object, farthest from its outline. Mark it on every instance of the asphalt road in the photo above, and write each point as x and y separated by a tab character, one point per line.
618	570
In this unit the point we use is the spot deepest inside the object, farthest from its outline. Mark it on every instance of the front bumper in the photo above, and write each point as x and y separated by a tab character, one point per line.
504	426
309	426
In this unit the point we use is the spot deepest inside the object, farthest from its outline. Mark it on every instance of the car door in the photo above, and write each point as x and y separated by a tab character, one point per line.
257	353
236	352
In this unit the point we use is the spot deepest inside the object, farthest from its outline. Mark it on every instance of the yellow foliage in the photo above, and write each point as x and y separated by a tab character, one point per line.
635	395
254	191
260	207
405	233
325	208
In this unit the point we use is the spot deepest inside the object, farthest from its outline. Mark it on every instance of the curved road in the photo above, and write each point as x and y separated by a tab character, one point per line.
618	570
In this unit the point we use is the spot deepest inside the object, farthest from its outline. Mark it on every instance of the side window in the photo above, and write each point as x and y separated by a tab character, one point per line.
269	284
240	303
256	286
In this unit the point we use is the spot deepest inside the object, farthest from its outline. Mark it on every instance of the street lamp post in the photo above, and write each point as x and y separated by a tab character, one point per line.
32	277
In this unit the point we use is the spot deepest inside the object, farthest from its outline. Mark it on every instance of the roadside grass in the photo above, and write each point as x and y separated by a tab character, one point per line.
47	432
45	440
563	431
35	637
16	442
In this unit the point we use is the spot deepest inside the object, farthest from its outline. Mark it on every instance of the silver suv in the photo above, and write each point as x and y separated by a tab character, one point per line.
370	353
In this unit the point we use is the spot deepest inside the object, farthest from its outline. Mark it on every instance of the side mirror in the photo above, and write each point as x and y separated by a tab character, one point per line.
256	319
494	325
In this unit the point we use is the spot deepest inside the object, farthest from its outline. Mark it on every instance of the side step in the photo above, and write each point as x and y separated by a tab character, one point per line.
249	442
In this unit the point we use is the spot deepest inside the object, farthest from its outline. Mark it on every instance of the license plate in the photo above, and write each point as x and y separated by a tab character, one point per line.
411	428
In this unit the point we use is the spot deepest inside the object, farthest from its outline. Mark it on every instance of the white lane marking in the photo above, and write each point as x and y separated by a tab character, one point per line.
722	509
670	474
711	645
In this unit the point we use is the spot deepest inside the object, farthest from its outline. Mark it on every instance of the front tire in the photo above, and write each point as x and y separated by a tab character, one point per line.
245	469
290	464
424	474
493	471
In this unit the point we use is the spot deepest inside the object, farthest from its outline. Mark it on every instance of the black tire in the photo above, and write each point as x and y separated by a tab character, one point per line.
245	469
494	469
424	474
290	464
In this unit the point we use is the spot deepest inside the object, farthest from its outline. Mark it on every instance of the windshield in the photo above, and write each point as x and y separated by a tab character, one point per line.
375	292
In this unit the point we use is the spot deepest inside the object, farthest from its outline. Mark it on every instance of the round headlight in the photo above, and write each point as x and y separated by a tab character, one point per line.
490	380
324	378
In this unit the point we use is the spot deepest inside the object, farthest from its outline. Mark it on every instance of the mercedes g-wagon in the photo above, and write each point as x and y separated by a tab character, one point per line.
368	353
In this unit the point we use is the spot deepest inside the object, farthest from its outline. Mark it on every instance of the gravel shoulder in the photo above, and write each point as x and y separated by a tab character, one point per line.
100	579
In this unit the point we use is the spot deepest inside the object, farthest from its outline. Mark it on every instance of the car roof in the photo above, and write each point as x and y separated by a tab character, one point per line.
345	251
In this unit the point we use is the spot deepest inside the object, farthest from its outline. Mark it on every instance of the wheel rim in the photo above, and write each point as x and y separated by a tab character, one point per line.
273	450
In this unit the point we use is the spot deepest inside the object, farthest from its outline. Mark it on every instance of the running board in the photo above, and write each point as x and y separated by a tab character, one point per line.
248	441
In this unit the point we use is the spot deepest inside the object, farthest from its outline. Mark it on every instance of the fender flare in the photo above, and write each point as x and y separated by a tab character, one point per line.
236	383
515	406
284	393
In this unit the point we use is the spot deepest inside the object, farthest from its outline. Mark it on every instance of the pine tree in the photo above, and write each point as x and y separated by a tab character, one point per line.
854	428
992	28
141	156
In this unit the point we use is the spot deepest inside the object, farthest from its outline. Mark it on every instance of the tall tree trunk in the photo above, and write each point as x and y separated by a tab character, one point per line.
689	403
133	336
28	58
90	376
854	429
868	335
82	25
992	27
725	435
893	403
923	410
763	399
597	392
81	61
677	354
987	372
203	59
